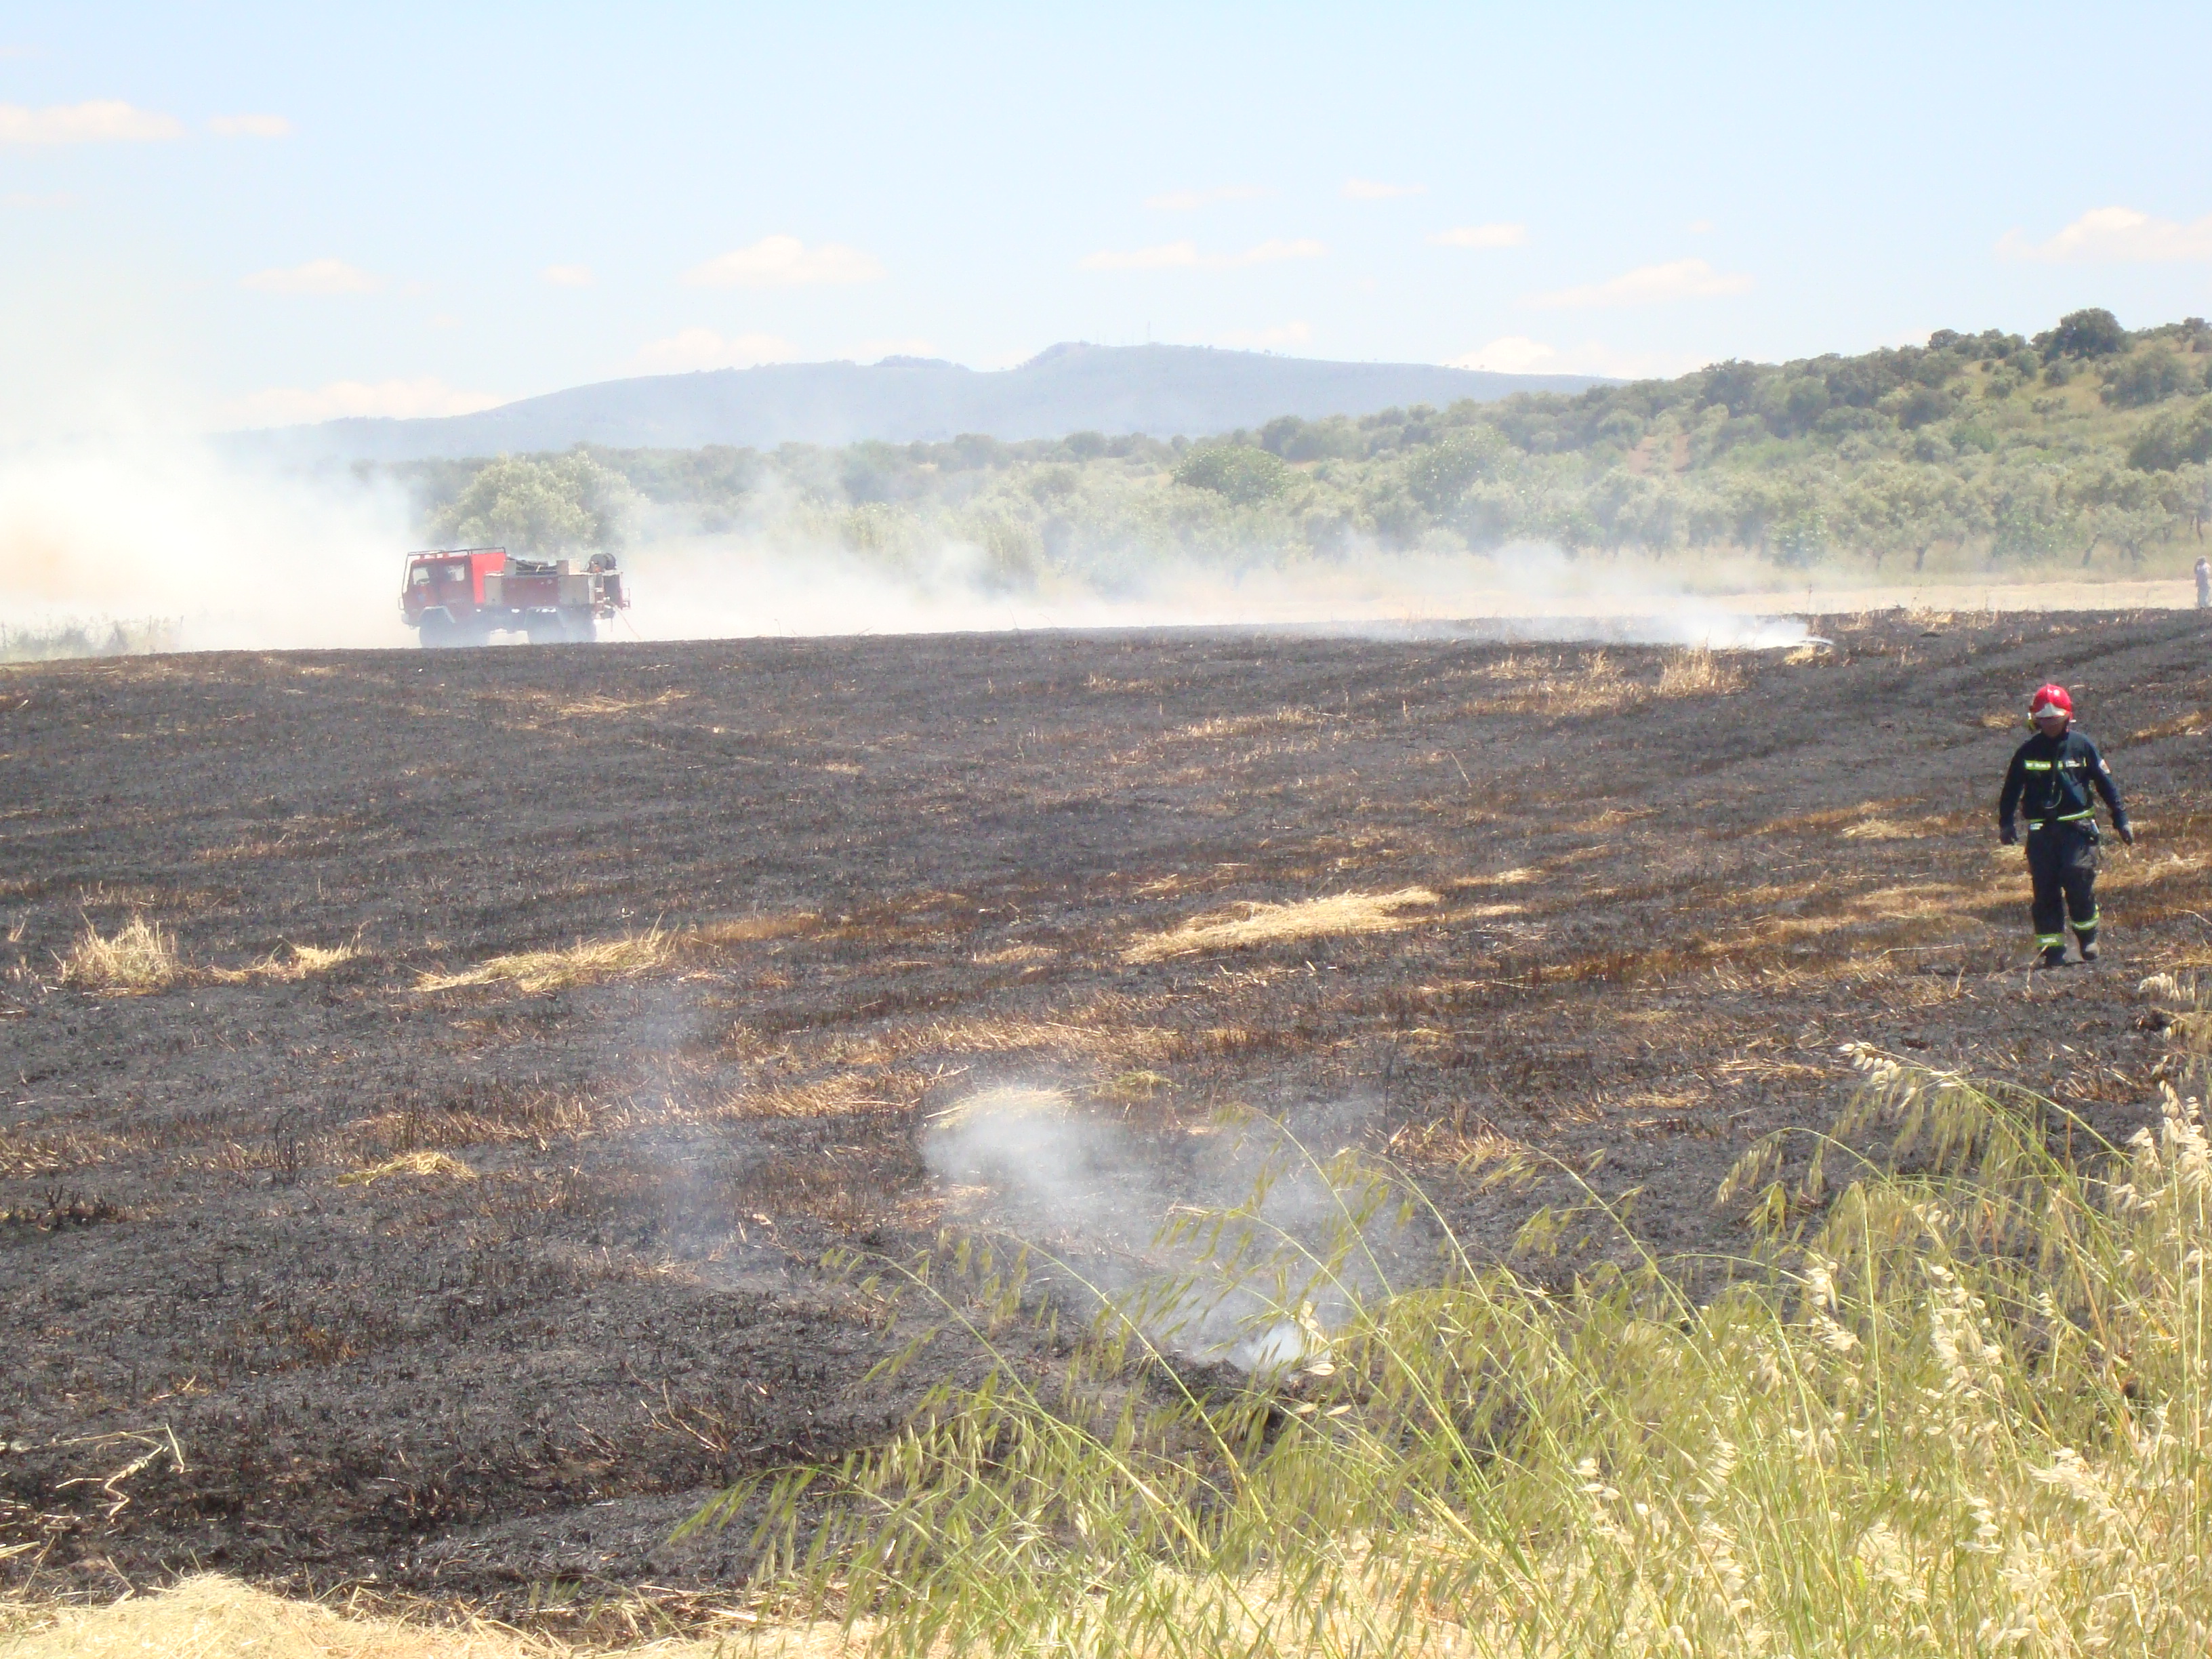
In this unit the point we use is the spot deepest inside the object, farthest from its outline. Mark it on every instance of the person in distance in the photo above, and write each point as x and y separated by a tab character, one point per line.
2050	780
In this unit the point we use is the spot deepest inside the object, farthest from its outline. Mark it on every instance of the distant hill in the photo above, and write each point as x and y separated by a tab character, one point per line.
1160	390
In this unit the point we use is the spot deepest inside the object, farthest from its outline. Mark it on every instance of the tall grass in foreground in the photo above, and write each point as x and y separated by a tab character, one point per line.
1964	1413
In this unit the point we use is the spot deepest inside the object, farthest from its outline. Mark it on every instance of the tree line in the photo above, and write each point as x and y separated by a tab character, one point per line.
2087	440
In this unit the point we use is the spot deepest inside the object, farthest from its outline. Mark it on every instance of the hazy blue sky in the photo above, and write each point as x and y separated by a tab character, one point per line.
233	214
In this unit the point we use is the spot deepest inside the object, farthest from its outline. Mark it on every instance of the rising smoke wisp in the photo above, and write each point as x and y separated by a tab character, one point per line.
1235	1243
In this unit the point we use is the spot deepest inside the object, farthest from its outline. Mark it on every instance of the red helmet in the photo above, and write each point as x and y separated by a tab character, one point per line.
2050	700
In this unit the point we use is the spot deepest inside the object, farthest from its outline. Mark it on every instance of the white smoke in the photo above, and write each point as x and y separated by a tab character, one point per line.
221	552
738	586
222	555
1235	1246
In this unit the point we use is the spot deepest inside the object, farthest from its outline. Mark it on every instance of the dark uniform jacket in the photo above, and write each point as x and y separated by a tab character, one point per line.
2050	781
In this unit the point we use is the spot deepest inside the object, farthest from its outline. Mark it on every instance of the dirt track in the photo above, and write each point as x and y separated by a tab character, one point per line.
916	865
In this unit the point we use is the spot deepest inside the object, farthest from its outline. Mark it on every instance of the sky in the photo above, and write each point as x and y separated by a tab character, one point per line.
232	215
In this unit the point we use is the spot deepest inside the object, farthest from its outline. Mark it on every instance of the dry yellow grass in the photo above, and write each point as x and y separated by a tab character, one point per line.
2191	725
1276	924
1699	673
632	954
597	704
580	963
419	1163
294	961
211	1616
140	955
1882	830
1593	683
747	930
1243	726
1016	953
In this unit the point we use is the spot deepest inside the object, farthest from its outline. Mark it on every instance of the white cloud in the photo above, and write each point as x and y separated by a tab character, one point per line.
1517	354
1266	339
1167	256
399	400
1185	256
703	348
1700	227
316	276
1371	190
250	126
785	262
1681	279
2118	235
1494	235
23	199
1301	247
104	120
568	276
1189	201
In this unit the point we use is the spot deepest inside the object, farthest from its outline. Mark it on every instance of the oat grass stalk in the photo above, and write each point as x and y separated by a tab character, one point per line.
1957	1404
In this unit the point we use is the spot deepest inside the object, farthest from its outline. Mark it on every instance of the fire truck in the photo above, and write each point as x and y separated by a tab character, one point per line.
464	595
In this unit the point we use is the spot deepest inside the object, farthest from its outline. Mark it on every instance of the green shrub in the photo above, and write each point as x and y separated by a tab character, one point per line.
1237	471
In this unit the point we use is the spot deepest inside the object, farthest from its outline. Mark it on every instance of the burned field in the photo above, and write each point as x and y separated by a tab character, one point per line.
433	1079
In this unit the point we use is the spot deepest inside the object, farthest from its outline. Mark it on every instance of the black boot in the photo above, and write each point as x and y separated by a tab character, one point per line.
2054	956
2086	939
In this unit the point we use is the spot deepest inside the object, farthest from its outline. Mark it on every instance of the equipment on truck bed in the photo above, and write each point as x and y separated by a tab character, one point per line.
464	595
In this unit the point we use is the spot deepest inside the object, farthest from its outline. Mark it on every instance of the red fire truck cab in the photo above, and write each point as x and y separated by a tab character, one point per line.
464	595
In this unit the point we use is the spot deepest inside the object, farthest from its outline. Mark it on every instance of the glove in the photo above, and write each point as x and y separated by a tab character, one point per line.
2126	831
2008	836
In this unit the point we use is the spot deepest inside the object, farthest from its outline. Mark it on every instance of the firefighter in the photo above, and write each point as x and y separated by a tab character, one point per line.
2050	780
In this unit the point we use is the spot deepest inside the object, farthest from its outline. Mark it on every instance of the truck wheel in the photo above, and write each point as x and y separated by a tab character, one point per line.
436	630
583	627
544	628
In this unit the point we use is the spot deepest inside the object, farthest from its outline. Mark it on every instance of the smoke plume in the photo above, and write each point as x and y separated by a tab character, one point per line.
1231	1242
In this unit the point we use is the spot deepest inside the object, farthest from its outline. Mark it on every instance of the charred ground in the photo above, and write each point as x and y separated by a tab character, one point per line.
474	1291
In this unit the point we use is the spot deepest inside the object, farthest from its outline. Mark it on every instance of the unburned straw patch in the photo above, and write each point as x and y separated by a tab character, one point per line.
1256	924
1594	682
208	1616
422	1164
625	958
596	705
580	963
1882	830
294	962
2191	724
138	957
